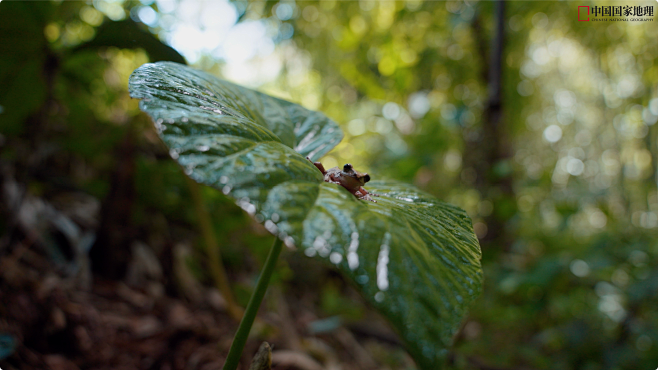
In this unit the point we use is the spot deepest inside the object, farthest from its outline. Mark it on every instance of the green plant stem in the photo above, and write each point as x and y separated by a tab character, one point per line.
241	335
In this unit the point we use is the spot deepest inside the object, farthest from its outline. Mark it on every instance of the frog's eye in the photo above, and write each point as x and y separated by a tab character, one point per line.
347	167
366	178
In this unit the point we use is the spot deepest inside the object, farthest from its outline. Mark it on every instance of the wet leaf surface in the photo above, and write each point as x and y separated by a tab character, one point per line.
413	257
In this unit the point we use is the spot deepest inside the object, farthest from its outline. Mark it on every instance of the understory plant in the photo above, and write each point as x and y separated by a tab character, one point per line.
413	257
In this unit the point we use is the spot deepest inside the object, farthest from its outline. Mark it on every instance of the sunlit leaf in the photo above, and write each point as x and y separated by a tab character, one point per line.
413	257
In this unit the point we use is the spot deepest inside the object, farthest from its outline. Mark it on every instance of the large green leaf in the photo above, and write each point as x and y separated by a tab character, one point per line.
413	257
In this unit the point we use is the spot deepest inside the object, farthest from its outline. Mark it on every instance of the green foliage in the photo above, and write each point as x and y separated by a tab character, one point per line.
535	311
561	219
22	43
127	34
413	257
66	112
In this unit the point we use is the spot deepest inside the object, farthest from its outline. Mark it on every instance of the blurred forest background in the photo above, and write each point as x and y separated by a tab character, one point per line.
541	127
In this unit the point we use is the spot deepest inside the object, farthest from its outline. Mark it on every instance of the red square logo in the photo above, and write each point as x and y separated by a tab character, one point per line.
579	16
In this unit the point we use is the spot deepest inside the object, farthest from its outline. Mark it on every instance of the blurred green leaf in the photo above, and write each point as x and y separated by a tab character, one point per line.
413	257
128	34
24	51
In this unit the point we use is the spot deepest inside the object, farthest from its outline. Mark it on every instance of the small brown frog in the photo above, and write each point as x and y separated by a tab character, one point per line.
348	178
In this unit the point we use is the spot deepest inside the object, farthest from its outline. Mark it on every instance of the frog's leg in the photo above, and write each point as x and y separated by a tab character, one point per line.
362	193
317	164
330	179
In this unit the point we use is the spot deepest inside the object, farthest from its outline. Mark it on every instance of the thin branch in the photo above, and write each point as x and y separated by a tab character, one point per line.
215	264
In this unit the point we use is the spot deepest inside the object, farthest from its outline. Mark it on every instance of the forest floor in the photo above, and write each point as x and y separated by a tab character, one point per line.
49	321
